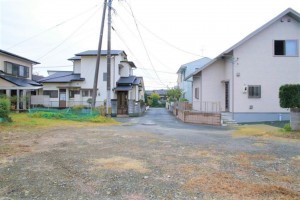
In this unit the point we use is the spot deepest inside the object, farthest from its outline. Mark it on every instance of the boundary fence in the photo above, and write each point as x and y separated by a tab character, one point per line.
211	115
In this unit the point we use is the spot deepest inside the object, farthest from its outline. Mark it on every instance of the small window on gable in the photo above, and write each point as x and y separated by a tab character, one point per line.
285	47
197	93
254	91
104	76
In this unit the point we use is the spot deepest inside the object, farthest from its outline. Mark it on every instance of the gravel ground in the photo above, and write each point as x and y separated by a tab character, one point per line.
150	157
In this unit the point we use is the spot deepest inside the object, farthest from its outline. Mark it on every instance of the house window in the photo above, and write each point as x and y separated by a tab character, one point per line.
73	92
285	47
16	70
104	76
254	91
197	93
87	93
51	93
2	92
120	68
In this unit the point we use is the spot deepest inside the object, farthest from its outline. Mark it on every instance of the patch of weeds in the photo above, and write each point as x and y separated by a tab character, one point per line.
287	132
274	176
13	149
101	119
261	130
226	185
287	127
120	164
245	160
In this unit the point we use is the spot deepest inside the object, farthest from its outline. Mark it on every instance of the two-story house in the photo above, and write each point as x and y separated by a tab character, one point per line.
186	70
69	88
245	79
16	78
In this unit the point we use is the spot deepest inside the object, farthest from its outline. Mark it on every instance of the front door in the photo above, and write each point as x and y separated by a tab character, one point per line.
122	103
62	98
227	96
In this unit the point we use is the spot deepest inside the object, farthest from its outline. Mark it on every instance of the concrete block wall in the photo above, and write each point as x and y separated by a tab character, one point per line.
203	118
135	108
199	118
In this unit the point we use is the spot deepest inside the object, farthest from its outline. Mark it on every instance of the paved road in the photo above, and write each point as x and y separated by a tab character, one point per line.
162	122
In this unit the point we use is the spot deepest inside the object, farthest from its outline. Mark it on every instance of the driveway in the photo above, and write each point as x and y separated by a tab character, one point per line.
160	121
151	157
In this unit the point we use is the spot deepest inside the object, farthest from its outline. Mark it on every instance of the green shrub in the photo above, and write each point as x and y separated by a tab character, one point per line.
183	100
47	115
77	109
5	109
290	96
287	128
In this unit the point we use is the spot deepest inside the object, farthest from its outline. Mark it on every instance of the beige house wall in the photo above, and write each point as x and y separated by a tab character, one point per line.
257	65
77	66
4	84
253	63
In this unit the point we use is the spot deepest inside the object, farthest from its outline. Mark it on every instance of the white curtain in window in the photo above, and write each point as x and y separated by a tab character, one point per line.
291	47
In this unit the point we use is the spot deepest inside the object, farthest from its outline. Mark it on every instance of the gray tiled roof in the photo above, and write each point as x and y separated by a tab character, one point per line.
123	88
126	80
75	58
103	52
36	77
22	82
61	77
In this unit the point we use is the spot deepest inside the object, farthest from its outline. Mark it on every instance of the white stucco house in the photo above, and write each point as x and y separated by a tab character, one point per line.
16	78
245	79
186	70
69	88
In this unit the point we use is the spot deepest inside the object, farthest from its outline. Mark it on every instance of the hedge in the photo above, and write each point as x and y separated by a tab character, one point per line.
289	96
5	109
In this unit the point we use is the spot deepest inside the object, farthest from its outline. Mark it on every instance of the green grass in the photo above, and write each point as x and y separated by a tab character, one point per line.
25	121
262	130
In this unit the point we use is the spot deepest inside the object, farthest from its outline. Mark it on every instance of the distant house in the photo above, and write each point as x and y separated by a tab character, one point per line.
245	79
69	88
16	78
186	70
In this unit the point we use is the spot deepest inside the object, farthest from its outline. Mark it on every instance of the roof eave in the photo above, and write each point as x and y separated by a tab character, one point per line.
20	57
229	51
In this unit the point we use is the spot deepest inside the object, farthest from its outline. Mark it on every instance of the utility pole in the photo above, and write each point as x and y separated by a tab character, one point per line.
108	100
94	95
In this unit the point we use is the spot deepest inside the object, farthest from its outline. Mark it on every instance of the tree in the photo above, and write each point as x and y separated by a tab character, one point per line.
289	96
154	99
174	94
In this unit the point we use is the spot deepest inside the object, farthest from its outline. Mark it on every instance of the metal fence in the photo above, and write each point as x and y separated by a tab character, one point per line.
204	107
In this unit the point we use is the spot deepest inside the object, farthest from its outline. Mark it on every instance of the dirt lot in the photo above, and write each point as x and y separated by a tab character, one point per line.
146	158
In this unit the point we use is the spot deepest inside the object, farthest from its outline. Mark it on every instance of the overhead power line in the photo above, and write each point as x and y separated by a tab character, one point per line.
158	37
68	37
144	45
52	66
53	27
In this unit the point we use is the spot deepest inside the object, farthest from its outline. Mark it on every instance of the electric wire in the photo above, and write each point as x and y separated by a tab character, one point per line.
123	41
53	27
158	37
68	37
127	26
52	66
144	45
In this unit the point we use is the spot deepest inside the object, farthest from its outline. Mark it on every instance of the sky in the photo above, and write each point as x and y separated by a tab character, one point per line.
157	35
